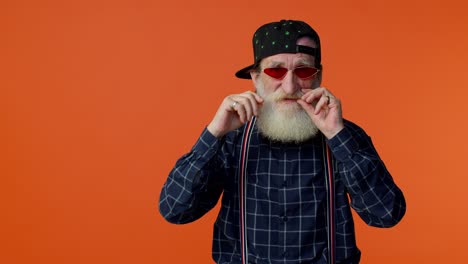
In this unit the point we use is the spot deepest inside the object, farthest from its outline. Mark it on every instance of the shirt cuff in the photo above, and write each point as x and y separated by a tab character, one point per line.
343	145
207	145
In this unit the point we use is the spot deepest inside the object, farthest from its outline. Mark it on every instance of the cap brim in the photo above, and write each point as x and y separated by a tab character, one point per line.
245	72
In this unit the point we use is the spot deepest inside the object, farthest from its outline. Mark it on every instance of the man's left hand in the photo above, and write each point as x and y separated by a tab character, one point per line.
324	109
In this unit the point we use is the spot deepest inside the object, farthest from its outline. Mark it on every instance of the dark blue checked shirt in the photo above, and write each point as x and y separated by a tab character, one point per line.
286	195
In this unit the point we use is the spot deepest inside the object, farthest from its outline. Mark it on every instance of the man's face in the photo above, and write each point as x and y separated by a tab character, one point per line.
291	85
281	118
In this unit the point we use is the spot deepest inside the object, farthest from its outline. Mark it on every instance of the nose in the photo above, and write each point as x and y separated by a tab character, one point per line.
289	83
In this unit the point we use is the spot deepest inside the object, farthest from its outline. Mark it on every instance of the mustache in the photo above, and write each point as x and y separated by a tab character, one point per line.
281	95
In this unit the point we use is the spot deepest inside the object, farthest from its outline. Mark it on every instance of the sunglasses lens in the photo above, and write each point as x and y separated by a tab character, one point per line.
305	72
277	73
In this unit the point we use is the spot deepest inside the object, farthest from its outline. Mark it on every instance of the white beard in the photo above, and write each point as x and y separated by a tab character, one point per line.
284	122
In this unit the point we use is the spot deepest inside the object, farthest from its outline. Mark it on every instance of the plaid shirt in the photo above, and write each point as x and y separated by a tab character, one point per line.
286	195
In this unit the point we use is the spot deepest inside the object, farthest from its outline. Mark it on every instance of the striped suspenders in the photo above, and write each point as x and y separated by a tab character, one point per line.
330	185
243	189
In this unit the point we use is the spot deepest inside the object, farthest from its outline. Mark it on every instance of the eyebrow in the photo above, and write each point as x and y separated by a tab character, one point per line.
274	64
303	62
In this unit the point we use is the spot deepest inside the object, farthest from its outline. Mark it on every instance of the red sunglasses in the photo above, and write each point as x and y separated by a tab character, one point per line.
301	72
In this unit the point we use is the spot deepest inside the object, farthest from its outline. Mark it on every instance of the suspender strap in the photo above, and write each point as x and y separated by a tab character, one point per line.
330	185
244	153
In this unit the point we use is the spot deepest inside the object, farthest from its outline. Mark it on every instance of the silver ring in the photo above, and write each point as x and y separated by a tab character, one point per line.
234	104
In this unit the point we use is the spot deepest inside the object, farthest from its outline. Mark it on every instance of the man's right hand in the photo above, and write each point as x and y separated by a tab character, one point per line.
234	111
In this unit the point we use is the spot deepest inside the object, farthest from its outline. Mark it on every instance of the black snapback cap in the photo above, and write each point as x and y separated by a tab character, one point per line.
281	37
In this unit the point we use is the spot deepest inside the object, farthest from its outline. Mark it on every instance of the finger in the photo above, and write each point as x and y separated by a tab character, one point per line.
254	100
240	111
322	104
327	92
309	108
232	104
247	107
311	95
258	98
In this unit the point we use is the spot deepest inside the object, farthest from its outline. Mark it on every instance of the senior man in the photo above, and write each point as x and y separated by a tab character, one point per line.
290	168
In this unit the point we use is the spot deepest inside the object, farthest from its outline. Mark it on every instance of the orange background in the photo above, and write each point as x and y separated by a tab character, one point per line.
99	98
